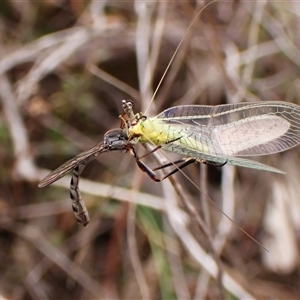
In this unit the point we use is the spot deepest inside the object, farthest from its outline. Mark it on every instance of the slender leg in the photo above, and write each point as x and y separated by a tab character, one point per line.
169	164
144	167
186	163
183	162
151	174
207	162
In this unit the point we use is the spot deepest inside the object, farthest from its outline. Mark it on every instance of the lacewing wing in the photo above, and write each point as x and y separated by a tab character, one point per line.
223	133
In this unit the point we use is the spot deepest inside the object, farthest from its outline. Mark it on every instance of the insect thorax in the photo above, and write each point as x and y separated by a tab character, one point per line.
150	130
115	139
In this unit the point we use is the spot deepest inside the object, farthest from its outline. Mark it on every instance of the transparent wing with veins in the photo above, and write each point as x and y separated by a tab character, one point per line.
77	164
221	133
81	159
114	139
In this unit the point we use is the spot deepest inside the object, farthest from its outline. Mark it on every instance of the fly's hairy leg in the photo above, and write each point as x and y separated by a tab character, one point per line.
186	162
150	172
181	166
169	164
143	166
78	206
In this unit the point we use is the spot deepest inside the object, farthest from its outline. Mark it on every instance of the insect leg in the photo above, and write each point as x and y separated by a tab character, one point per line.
79	209
169	164
207	162
143	166
152	175
186	163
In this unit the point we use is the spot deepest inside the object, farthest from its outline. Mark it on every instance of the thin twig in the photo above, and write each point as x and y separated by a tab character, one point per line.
132	244
33	234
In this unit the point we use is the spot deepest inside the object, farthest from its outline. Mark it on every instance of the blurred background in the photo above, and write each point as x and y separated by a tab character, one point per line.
65	67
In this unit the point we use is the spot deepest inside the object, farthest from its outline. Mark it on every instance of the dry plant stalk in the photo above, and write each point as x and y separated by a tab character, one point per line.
61	90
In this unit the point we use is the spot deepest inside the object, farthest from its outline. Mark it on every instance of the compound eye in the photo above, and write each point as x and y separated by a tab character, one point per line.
123	135
115	139
112	135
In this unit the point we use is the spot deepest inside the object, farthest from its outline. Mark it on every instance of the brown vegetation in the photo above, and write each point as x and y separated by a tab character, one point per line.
65	66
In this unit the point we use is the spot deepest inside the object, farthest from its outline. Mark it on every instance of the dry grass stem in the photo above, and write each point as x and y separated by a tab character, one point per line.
64	69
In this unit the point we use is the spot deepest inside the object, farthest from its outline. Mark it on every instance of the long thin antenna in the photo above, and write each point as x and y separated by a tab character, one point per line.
175	53
211	201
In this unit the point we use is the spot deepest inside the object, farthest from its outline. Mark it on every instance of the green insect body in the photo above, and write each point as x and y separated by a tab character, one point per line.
224	133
